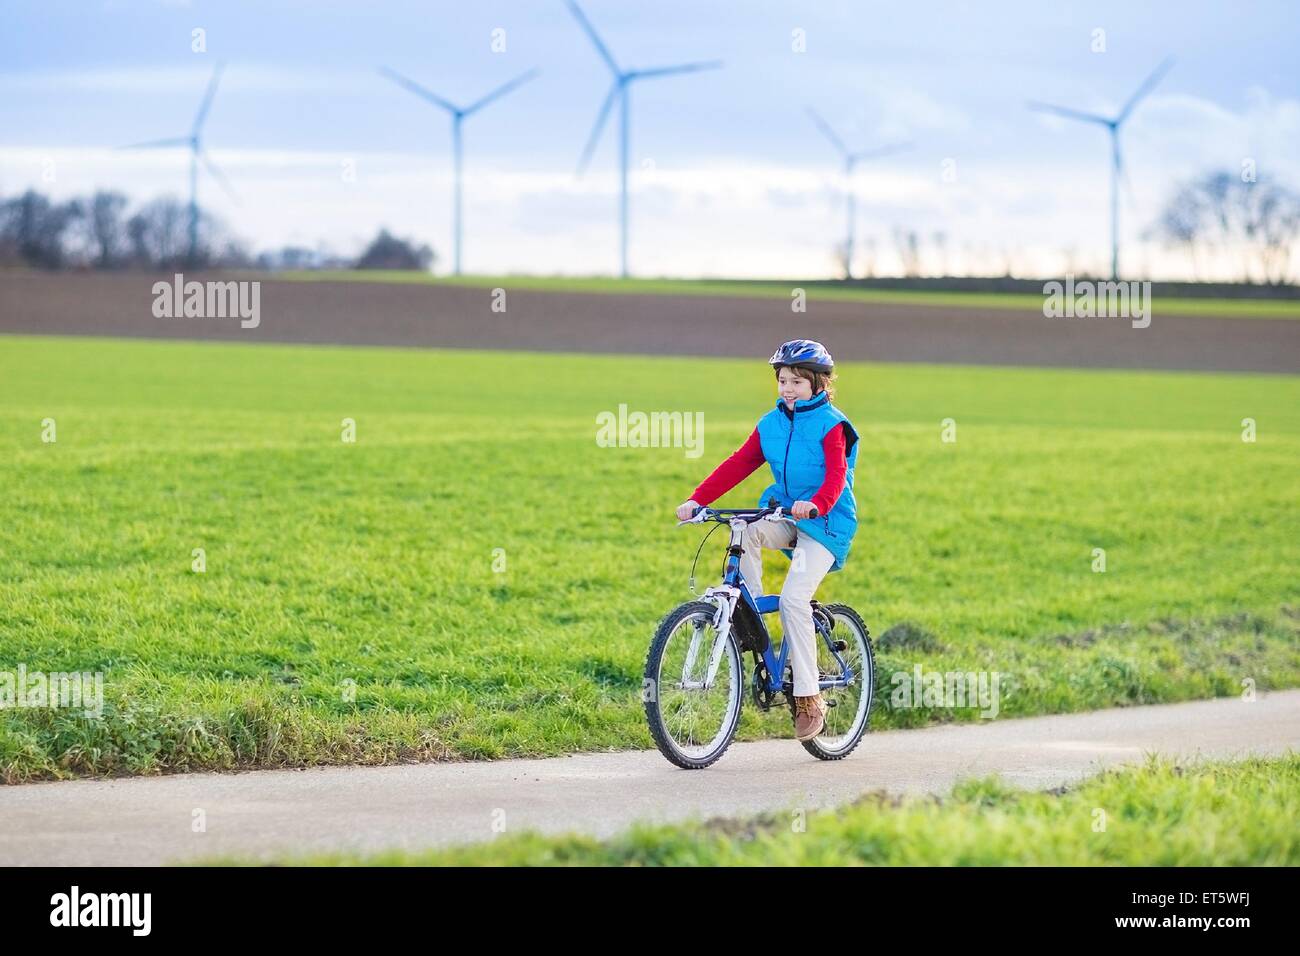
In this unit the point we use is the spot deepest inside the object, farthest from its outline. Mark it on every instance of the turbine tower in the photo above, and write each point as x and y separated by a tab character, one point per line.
619	90
851	161
458	114
197	155
1112	123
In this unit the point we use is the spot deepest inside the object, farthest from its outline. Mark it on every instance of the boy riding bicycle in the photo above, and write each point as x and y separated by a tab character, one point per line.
812	449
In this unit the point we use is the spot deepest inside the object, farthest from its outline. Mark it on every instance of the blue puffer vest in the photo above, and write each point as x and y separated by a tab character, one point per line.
792	445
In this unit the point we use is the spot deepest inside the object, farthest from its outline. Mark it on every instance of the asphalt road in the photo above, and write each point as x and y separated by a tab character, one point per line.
264	814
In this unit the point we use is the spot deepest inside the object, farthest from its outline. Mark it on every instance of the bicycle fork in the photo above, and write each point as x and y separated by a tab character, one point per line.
724	598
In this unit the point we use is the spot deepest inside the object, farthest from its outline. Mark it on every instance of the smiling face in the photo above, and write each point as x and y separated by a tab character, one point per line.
792	386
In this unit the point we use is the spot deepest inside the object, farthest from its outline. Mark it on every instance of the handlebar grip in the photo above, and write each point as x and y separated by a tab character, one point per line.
772	503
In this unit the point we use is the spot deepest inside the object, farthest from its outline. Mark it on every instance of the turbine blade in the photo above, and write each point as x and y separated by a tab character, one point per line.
1069	113
502	90
159	143
881	151
671	70
219	176
418	90
595	38
1147	86
600	124
207	99
828	132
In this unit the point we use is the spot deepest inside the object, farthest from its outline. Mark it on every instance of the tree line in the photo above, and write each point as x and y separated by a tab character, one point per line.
103	231
1252	226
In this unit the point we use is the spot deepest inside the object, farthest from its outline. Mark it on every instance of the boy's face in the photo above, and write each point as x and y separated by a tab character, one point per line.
792	387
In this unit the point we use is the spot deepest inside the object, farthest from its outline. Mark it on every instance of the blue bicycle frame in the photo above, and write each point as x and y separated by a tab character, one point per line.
734	589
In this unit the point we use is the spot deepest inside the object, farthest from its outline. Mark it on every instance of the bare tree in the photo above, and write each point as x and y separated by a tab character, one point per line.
35	227
1257	221
107	231
869	257
1179	224
909	252
1271	222
839	253
159	234
137	234
941	250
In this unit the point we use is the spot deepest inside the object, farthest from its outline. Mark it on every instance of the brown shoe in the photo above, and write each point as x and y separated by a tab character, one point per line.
809	716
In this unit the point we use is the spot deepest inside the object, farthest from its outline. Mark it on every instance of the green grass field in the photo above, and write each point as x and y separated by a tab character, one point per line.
818	290
351	612
1160	814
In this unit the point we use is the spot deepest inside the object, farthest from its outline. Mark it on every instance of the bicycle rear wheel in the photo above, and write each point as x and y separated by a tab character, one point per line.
692	724
850	706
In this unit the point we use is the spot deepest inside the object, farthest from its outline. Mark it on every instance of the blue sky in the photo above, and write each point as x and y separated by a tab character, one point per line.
729	175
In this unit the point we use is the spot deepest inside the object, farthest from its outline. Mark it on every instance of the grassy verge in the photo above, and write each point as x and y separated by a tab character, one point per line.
1160	814
822	290
475	577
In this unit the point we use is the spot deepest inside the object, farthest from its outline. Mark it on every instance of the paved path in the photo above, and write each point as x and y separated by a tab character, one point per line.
149	820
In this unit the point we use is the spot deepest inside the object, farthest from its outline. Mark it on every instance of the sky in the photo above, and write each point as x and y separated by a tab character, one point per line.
729	175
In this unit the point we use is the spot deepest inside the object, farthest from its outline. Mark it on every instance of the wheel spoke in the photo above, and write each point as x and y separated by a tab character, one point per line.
696	720
850	700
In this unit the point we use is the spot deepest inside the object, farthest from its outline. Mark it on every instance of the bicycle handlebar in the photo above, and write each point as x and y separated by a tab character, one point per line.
772	511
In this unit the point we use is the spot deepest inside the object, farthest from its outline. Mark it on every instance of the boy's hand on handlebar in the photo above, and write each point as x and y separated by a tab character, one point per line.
803	509
686	510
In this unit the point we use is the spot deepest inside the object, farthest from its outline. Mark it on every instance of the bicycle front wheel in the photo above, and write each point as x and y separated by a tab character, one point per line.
692	714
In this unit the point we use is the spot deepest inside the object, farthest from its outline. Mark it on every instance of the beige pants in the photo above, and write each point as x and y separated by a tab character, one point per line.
810	564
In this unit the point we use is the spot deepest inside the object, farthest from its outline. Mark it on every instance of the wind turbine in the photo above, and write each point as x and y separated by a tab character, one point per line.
1112	123
197	155
458	114
619	89
851	160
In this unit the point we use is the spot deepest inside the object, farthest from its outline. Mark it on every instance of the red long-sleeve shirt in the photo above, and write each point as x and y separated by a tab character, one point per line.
748	458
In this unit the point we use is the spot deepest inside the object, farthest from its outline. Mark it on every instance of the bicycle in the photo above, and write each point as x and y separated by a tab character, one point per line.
693	706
